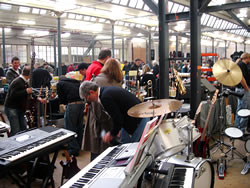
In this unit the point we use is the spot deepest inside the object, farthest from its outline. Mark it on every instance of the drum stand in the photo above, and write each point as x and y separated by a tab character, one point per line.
219	144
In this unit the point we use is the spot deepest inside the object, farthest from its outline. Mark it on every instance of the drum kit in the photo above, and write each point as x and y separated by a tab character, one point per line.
174	139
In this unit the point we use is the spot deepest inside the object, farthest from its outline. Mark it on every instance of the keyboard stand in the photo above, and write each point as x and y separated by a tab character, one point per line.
25	182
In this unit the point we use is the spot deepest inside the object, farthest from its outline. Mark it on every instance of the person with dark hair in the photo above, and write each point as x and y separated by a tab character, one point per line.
82	68
14	71
68	94
116	101
97	117
96	66
16	100
40	77
136	65
64	69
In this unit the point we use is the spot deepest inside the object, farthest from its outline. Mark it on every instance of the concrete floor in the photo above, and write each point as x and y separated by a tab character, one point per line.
232	179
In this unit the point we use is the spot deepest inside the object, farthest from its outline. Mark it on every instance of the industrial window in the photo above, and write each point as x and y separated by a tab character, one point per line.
175	8
5	7
35	11
132	3
139	4
180	9
16	50
204	19
124	2
170	5
24	9
116	1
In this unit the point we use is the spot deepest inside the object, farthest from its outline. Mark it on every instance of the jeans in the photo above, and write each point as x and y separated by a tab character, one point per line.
73	121
241	122
16	119
135	137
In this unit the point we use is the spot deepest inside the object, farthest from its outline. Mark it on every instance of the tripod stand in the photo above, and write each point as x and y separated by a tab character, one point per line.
232	133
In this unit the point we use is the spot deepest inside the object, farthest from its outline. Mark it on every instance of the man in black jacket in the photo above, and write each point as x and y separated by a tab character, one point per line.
14	71
117	102
68	93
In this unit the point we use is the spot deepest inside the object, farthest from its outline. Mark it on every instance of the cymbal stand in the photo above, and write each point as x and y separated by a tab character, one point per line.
190	154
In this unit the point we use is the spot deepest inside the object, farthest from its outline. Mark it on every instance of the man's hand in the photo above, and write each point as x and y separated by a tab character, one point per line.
29	90
42	100
107	138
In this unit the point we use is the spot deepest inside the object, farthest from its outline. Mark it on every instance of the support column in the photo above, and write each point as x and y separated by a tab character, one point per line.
245	46
113	39
236	46
225	49
163	50
55	64
123	49
3	44
147	55
149	48
213	49
59	46
93	52
176	45
195	56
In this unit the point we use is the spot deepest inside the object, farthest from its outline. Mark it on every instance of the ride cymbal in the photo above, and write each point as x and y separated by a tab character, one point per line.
154	108
227	72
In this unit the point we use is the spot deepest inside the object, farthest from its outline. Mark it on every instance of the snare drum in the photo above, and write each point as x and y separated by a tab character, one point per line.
168	141
204	170
233	132
244	112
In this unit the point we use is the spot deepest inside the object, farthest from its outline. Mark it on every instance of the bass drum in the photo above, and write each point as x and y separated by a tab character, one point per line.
204	176
204	170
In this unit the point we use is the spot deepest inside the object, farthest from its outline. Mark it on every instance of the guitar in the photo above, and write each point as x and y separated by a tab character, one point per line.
201	146
70	167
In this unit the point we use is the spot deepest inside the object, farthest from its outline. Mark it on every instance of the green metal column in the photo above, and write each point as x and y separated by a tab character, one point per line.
149	48
123	50
163	50
195	56
113	39
59	46
225	49
55	64
3	44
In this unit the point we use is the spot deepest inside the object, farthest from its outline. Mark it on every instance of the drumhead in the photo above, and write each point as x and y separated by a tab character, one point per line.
205	175
234	132
247	145
244	113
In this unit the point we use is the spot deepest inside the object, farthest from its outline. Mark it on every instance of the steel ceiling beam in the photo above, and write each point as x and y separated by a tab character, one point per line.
204	5
230	12
228	6
153	6
181	16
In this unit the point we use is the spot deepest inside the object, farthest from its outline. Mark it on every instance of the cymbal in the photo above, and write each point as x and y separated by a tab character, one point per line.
227	72
154	108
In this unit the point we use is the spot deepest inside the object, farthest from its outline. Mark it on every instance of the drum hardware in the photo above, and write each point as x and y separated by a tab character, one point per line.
233	133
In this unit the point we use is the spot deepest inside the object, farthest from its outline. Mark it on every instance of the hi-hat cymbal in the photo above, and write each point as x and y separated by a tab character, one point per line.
154	108
227	72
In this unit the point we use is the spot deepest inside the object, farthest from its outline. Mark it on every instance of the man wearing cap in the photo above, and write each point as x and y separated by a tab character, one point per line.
82	68
68	94
95	68
243	87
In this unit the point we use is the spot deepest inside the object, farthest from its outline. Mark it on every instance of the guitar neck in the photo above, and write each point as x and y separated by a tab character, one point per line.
209	114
